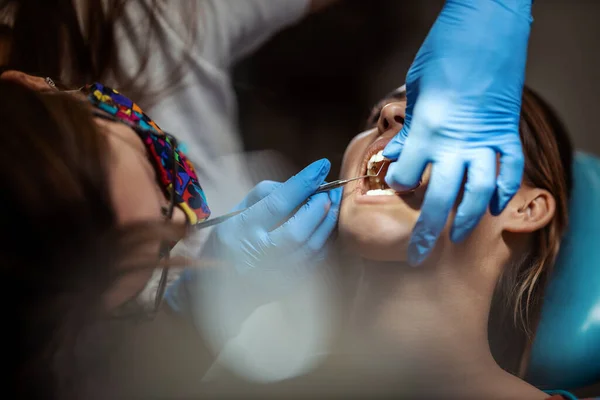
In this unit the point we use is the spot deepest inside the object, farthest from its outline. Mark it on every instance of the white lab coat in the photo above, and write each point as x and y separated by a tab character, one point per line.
201	112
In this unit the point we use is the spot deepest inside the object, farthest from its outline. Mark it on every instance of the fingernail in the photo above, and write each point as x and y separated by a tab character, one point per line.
392	150
417	251
415	256
457	235
323	166
389	180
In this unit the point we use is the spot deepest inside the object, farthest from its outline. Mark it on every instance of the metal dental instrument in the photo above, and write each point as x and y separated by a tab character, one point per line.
323	188
342	182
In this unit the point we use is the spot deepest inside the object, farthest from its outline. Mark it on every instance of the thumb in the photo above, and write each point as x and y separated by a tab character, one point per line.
289	196
259	192
395	146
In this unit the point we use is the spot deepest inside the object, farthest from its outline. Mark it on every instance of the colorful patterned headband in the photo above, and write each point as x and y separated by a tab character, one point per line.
161	148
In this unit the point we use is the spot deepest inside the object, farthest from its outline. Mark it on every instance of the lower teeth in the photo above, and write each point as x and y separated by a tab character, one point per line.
381	192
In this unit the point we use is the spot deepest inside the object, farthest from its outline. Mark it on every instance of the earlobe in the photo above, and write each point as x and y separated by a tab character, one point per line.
530	210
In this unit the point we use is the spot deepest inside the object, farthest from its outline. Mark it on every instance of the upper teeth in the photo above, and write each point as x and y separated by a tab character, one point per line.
375	158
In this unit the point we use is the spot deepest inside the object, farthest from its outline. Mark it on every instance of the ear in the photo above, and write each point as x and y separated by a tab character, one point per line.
530	210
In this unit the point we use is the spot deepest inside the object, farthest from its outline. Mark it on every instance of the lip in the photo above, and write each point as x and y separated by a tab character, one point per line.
362	188
373	149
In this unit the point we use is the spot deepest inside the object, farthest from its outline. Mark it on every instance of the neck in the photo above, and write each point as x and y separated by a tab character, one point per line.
433	318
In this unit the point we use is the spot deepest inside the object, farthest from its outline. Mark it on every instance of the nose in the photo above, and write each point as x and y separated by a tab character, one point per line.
391	118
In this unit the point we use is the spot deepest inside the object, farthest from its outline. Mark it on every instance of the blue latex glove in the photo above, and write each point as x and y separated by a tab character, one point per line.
464	99
275	243
280	238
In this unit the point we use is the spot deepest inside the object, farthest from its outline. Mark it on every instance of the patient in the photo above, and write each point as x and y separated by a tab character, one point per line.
435	319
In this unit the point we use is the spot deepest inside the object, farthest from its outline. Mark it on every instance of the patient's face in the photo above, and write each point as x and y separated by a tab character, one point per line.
376	222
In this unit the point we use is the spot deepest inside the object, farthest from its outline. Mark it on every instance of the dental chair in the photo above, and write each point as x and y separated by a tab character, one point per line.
566	349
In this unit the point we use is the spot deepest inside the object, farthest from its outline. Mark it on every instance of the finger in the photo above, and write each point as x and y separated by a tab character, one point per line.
259	192
444	185
281	203
394	147
512	163
305	259
407	171
479	188
320	236
295	232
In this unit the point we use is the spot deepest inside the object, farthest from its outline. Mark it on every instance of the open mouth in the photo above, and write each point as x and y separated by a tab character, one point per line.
377	167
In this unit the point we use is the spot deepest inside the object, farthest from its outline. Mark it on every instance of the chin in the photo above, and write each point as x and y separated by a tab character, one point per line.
375	233
376	222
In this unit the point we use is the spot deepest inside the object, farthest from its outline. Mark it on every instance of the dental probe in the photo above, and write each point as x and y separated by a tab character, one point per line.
323	188
341	182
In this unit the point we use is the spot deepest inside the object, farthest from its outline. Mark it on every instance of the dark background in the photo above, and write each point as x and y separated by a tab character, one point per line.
309	91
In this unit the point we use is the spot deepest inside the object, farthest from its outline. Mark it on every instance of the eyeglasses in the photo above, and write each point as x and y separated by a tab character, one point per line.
175	174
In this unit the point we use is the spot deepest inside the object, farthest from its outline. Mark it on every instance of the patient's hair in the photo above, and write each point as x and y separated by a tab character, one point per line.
61	247
548	165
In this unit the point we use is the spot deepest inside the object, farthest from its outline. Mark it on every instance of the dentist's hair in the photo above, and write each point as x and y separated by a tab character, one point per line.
76	41
62	248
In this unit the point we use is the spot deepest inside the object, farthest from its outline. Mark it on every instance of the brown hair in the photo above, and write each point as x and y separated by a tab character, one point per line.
45	39
548	163
61	247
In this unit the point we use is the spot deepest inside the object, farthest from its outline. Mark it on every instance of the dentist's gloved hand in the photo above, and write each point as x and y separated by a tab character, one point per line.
281	237
464	100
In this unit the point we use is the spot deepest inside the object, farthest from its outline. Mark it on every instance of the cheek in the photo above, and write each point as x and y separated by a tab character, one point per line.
483	242
354	153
